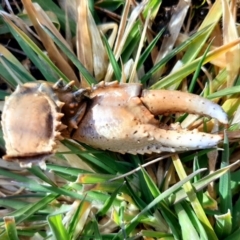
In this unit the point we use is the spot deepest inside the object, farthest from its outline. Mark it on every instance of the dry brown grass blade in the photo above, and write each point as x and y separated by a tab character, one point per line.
231	59
122	25
55	55
212	158
73	159
23	26
90	49
230	34
133	74
123	34
213	17
120	34
84	41
100	58
105	28
50	26
174	28
70	8
86	209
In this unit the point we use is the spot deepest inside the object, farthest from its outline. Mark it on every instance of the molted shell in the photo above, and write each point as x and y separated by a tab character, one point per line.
112	116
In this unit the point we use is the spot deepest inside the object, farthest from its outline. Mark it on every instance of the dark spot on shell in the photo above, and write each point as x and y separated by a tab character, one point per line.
49	119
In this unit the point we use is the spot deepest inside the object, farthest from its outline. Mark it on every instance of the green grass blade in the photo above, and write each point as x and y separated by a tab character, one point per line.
33	208
110	4
195	221
13	203
169	56
15	66
223	226
188	230
152	5
178	75
164	206
236	213
78	216
61	16
225	194
149	49
164	195
137	200
198	69
172	222
234	236
90	79
97	234
37	171
131	45
224	92
11	228
109	202
210	20
7	77
19	71
116	68
58	229
37	56
157	235
191	193
94	157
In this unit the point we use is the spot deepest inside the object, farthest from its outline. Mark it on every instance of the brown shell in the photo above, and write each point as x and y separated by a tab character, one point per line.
30	123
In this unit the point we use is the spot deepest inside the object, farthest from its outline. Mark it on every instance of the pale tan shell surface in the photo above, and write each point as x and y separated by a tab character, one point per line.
29	123
121	118
116	119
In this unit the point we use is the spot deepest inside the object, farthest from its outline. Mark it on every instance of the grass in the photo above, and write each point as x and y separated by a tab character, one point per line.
86	193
